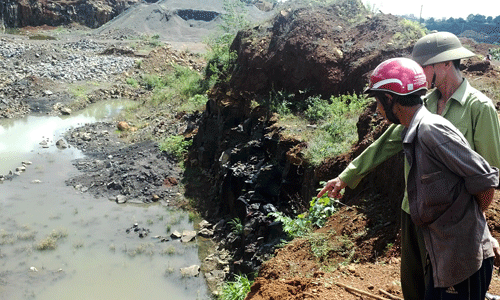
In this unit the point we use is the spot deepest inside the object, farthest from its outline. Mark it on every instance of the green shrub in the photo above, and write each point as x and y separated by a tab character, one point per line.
183	87
336	121
132	82
320	209
153	40
188	82
280	102
237	289
220	59
176	146
320	245
138	63
151	81
317	109
195	103
292	227
409	32
495	53
236	226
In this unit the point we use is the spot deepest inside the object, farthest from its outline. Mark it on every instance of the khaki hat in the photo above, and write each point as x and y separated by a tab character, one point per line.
439	47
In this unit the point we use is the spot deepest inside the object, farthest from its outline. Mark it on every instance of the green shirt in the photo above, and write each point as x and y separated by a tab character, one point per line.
468	109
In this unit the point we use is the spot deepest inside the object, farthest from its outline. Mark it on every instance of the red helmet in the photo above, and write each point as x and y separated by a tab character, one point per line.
401	76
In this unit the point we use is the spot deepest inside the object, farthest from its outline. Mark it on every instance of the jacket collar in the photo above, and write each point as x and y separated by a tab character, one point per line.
410	133
432	98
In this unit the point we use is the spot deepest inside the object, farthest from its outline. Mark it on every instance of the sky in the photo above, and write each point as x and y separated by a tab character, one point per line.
438	9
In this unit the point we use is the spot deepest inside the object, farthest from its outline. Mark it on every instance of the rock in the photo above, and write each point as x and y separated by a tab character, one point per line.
176	235
123	126
87	137
188	236
191	271
220	225
65	111
264	5
120	199
206	233
61	144
204	224
161	238
224	157
141	232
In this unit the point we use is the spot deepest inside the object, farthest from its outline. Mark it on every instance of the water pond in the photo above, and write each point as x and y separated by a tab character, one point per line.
59	243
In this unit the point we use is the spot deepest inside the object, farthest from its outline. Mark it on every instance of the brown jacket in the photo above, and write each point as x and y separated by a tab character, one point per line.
444	175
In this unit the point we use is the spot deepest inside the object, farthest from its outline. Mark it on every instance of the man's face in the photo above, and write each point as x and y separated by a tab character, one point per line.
435	73
380	108
429	74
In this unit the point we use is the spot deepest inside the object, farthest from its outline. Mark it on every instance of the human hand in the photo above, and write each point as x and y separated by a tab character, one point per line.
333	187
496	250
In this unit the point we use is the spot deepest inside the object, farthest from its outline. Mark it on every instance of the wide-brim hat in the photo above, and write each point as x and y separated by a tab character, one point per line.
439	47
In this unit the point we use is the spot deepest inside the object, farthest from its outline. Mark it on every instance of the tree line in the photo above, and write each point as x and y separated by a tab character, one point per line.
478	27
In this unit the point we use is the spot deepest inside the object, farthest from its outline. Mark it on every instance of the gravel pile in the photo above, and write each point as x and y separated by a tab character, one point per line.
71	62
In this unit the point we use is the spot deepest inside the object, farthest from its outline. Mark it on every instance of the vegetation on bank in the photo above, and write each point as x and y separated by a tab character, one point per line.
236	289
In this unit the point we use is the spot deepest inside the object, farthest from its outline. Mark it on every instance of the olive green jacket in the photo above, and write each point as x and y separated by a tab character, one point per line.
469	110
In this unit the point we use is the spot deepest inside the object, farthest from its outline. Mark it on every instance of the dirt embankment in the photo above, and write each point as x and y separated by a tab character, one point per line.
254	169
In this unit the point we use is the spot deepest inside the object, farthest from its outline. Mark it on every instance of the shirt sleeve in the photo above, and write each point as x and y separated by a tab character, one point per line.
487	135
452	150
387	145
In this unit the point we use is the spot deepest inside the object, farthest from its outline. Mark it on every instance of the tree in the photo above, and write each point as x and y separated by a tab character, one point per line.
480	19
430	21
497	20
476	18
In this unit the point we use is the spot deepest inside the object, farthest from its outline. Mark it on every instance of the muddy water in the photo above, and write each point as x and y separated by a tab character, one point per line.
57	243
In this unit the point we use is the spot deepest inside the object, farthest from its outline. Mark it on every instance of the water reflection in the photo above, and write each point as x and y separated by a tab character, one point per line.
20	139
59	243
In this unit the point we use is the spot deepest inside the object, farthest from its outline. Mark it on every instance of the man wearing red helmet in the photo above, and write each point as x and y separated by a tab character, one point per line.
468	109
449	185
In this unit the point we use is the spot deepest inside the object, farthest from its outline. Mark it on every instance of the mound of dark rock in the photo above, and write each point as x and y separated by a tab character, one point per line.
124	173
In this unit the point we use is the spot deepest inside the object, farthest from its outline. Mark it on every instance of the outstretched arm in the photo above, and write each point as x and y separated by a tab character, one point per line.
386	146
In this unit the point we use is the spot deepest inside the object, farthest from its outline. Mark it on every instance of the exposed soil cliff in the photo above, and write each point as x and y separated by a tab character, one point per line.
92	13
255	169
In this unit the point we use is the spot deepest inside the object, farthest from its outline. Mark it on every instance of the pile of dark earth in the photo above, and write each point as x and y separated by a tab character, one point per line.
122	172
